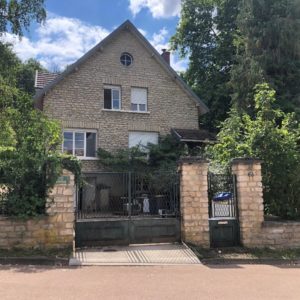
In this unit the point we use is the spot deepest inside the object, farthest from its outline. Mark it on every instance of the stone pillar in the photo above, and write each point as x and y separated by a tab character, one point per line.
194	201
60	208
250	199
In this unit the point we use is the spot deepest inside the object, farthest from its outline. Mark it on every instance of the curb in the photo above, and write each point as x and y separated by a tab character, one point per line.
258	261
37	260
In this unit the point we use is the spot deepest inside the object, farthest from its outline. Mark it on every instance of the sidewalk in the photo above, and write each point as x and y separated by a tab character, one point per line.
136	255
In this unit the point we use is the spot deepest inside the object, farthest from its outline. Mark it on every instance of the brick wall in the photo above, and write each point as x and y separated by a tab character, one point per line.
194	201
54	230
77	101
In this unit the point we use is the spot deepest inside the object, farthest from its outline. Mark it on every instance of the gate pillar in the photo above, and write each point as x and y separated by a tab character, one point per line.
250	199
194	201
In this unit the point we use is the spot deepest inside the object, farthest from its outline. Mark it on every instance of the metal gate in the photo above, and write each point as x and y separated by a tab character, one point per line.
128	208
223	210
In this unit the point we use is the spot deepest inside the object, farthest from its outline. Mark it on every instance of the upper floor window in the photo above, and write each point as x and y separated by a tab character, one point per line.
112	97
80	143
126	59
138	99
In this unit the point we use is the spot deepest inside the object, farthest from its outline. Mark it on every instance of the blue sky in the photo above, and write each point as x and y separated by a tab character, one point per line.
75	26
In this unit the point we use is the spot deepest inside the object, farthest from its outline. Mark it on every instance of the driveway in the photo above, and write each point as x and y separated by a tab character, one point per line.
150	282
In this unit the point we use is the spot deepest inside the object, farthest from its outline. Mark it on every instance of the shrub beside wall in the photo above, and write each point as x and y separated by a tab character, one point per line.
53	230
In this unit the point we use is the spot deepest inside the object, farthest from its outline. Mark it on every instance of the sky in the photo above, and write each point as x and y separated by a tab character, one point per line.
74	26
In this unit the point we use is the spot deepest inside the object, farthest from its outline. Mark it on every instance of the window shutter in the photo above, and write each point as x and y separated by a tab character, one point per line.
142	138
139	96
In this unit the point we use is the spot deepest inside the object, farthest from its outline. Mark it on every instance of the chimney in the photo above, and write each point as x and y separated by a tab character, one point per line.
166	55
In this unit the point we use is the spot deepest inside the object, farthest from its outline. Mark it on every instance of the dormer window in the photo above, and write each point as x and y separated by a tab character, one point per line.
126	59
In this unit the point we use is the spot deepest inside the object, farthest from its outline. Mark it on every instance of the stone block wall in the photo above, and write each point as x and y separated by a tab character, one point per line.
250	199
254	230
54	230
194	201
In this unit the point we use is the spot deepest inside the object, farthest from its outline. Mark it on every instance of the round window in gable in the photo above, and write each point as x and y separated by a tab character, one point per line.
126	59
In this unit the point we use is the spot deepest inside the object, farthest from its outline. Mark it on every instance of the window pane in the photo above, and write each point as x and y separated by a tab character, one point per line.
79	152
79	143
116	104
115	94
91	144
134	107
68	142
107	98
142	107
68	135
68	147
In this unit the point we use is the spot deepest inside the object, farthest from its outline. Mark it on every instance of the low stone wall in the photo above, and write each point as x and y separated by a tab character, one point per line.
54	230
279	234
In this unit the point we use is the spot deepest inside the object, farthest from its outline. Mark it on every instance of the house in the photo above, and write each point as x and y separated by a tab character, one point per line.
119	94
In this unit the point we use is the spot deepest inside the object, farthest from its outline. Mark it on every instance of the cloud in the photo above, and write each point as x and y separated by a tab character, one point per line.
158	8
159	41
60	41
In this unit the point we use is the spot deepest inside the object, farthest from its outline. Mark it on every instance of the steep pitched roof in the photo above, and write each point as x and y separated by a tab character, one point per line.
129	26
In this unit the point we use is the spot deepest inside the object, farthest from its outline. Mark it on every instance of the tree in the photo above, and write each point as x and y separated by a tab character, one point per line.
16	15
15	72
29	159
206	34
268	50
273	136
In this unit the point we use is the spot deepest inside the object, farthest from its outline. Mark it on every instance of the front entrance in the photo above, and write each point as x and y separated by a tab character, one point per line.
223	213
128	208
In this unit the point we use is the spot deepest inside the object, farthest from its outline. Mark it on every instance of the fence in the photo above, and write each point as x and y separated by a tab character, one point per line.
128	195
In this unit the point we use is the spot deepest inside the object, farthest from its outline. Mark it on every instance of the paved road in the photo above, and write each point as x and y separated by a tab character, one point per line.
166	282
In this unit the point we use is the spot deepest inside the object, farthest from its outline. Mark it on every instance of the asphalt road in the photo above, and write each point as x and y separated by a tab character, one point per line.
165	282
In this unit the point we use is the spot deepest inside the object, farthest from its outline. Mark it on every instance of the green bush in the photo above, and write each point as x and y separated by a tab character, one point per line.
273	137
30	162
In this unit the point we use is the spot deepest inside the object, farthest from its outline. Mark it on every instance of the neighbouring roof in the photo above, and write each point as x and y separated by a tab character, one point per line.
127	25
42	78
194	135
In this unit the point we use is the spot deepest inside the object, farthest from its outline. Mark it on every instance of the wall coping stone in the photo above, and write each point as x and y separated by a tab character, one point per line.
280	223
192	159
245	160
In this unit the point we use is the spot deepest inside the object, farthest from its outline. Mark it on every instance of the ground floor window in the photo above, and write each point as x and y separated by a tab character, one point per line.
142	138
80	143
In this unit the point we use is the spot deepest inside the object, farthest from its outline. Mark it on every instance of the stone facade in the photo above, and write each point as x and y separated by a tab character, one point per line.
78	100
250	199
54	230
254	231
194	201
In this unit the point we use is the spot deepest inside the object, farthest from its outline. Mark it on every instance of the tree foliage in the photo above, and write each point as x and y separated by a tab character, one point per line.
16	15
206	34
160	157
15	72
273	136
268	50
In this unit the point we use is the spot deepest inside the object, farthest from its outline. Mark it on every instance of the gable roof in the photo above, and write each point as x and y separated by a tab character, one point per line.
129	26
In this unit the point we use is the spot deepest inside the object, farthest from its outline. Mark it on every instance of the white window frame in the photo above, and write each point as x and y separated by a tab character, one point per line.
85	132
138	104
113	87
